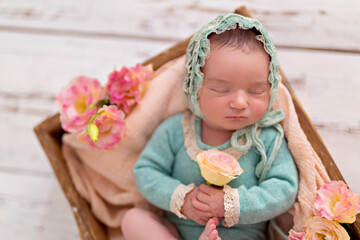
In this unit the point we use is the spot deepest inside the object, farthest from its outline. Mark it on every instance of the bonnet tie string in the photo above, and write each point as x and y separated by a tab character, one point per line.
270	119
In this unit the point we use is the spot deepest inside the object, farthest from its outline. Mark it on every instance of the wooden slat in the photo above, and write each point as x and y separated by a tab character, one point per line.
32	207
177	50
306	23
50	62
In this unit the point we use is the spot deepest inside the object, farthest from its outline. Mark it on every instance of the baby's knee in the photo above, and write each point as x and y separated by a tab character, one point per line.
132	215
129	223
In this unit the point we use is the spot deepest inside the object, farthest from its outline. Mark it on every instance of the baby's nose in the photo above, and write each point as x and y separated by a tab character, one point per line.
240	100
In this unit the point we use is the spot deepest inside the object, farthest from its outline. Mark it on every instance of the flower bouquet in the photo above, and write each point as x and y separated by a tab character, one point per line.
335	205
98	113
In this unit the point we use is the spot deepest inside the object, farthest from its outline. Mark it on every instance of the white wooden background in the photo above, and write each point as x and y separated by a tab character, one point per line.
44	43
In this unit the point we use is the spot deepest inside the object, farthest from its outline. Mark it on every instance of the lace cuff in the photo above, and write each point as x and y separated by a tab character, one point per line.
178	197
232	206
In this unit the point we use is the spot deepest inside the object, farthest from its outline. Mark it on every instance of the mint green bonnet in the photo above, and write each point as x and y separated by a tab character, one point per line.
196	54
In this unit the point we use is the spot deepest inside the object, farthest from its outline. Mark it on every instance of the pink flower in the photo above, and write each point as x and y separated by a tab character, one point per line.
127	85
107	127
336	202
296	236
322	228
76	102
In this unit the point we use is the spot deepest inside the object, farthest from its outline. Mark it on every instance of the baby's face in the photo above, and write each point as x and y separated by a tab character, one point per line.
235	91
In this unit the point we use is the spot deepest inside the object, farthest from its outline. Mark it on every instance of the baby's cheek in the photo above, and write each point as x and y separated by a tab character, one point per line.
260	108
211	104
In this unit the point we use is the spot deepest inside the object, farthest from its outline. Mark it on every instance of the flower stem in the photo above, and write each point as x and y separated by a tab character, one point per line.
213	185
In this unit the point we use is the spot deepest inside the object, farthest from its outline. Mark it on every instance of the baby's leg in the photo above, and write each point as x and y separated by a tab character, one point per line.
139	224
210	232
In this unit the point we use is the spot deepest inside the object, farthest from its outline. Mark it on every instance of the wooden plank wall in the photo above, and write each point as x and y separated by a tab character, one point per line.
43	44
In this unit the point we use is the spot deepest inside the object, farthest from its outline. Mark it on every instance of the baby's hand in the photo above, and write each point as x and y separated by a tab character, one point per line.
195	210
213	198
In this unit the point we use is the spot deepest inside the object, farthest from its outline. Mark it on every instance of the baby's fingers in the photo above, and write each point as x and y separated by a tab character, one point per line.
203	198
202	214
199	205
208	189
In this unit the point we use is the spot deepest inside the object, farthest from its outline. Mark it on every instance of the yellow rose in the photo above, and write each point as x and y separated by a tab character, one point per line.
218	167
318	228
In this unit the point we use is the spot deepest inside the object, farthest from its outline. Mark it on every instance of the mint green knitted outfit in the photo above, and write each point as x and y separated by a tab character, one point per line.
269	183
164	164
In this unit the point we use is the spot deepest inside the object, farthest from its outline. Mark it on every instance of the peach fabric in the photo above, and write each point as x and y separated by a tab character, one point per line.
312	173
105	177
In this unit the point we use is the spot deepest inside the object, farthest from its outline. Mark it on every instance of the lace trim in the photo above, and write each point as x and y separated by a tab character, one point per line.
232	206
178	197
192	149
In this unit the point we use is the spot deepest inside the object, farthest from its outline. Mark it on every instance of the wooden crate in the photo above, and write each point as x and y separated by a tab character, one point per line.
49	133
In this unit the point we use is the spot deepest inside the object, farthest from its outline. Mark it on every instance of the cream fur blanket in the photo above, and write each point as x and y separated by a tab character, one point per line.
105	178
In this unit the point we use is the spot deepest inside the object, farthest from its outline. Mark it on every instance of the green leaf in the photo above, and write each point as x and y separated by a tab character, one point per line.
103	102
91	106
93	131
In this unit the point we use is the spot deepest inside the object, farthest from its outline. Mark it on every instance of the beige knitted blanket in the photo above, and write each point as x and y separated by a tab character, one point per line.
105	178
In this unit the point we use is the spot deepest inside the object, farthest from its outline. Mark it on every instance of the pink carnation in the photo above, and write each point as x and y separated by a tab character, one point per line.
111	127
336	202
76	102
126	86
296	235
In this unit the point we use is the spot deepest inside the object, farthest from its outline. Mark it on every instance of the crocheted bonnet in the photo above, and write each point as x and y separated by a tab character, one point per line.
197	52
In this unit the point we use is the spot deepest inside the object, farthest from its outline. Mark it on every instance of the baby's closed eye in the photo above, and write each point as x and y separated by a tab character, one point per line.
257	90
219	89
